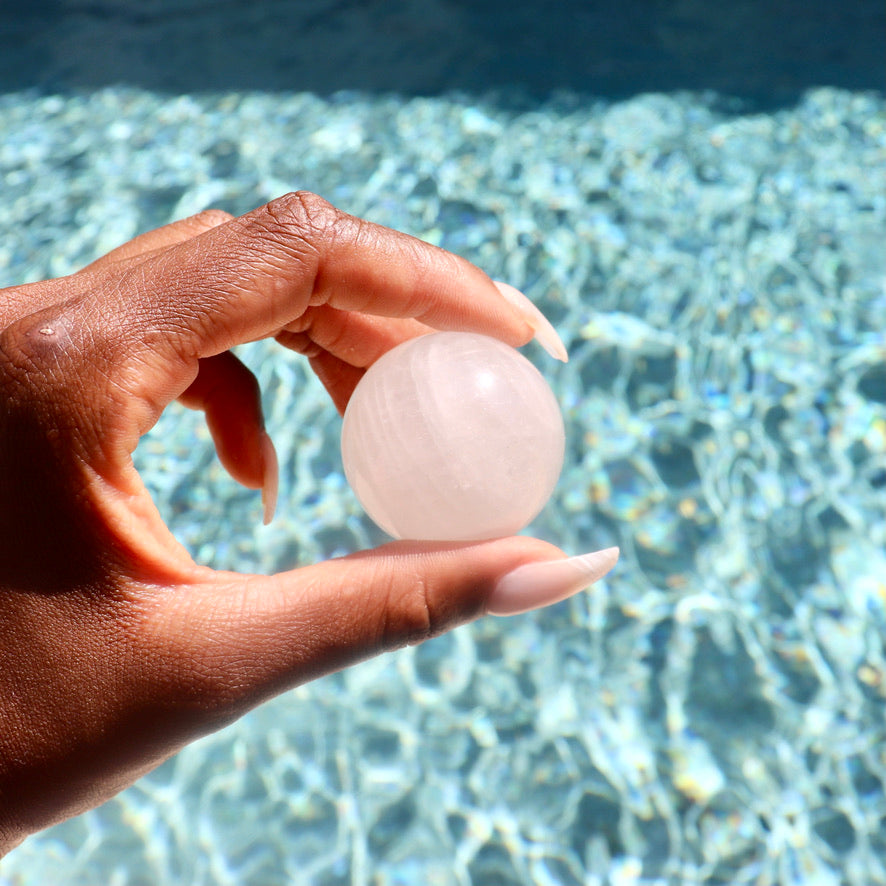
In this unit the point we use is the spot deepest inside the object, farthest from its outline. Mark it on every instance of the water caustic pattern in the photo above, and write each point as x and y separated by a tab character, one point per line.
713	713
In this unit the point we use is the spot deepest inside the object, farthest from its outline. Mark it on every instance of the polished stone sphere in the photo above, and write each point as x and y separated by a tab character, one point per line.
452	436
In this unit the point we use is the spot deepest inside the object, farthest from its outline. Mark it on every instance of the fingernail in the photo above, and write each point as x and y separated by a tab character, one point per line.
545	334
270	478
534	585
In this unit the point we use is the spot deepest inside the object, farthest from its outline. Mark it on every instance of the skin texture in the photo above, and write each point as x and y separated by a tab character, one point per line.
116	649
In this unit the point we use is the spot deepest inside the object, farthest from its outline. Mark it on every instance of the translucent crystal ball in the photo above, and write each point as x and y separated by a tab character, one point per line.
452	436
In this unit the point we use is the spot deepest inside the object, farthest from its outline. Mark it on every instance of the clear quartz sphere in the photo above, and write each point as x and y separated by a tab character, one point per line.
452	436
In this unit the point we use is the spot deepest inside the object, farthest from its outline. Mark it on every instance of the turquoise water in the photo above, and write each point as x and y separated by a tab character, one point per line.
714	711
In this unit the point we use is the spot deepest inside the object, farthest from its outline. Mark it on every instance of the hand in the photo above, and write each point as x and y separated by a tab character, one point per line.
116	649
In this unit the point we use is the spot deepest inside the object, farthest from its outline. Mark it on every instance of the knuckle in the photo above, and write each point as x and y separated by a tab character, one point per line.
307	208
51	352
306	216
38	343
409	618
297	233
211	218
422	619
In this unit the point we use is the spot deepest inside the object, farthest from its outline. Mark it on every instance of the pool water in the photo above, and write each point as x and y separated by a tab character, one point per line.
713	711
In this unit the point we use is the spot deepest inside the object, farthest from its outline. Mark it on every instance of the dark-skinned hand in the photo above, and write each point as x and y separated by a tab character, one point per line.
116	649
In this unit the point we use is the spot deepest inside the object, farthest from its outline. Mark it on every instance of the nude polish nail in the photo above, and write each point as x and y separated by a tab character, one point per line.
270	478
535	585
545	334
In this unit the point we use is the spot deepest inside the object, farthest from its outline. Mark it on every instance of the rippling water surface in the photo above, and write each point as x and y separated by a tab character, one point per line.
714	711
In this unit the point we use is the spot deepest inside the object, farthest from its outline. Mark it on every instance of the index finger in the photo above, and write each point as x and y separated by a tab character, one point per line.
247	279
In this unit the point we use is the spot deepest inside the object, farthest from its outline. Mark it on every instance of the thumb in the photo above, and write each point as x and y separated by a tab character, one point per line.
250	637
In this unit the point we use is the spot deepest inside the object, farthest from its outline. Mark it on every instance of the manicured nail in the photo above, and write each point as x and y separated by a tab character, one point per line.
545	334
270	478
534	585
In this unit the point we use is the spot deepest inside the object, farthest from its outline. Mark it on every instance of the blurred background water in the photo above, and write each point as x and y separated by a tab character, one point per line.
694	194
